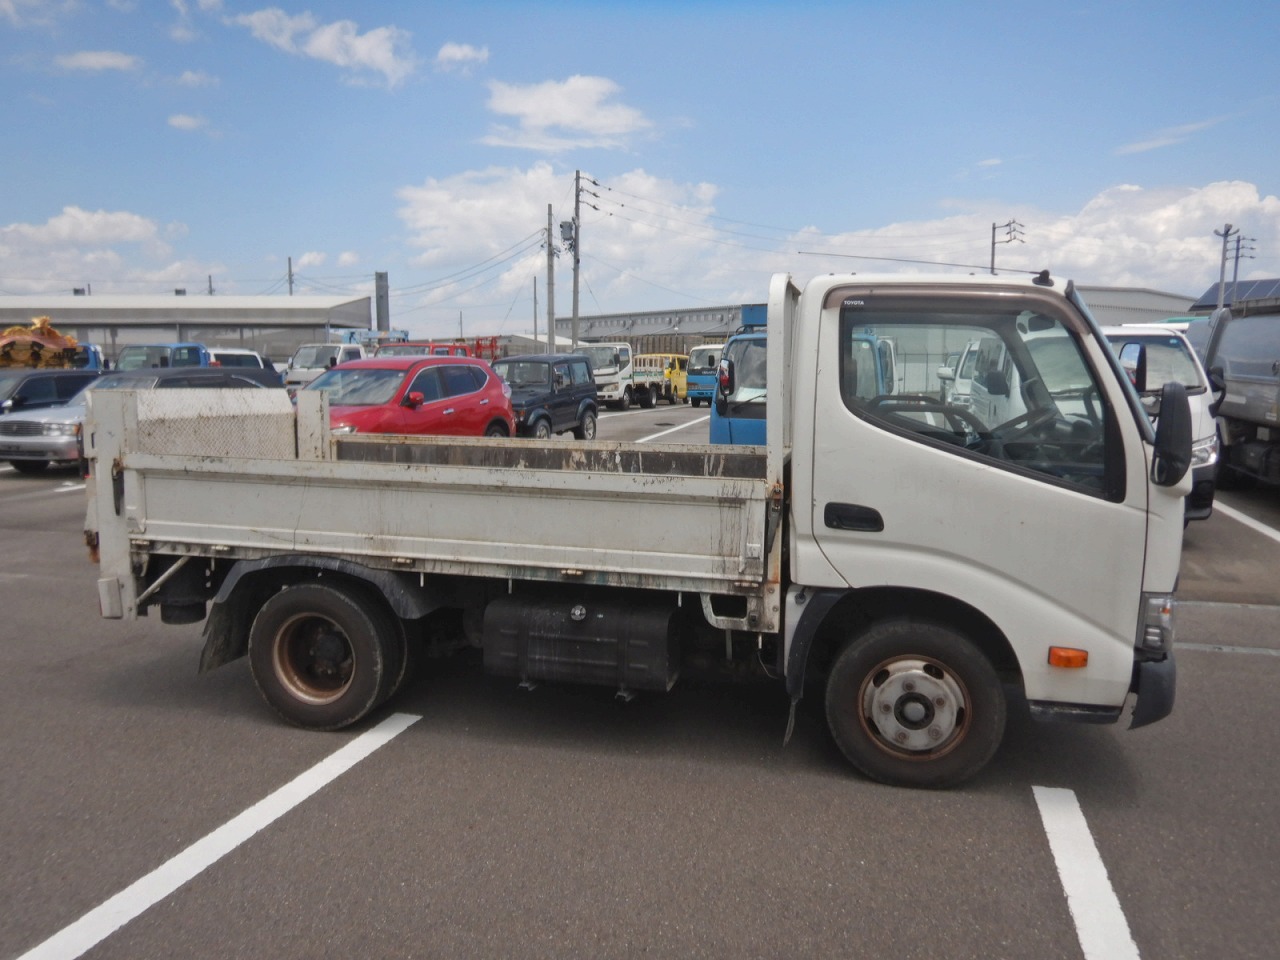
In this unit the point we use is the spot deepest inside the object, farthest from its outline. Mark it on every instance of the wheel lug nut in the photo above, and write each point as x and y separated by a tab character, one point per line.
909	686
900	737
939	702
935	733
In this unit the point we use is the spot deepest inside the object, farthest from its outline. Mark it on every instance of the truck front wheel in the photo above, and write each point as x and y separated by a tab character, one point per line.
324	656
915	704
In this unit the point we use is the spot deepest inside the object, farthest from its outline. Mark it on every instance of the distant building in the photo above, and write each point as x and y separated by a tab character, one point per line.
1112	306
272	325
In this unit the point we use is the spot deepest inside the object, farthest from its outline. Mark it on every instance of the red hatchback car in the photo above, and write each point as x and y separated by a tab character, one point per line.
451	396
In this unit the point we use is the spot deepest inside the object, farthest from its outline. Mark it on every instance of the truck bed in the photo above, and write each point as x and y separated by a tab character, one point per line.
248	475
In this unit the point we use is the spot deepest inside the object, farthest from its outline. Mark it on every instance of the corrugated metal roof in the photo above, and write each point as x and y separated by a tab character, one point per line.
198	303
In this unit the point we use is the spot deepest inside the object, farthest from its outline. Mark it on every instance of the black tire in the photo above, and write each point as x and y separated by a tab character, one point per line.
647	400
586	428
496	429
29	466
541	429
696	401
625	403
324	656
915	704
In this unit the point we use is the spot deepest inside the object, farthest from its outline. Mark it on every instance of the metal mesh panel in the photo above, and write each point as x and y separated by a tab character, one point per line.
216	423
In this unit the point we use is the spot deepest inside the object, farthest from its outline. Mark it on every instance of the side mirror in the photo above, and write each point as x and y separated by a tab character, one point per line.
725	380
414	400
946	374
333	362
1172	457
1218	384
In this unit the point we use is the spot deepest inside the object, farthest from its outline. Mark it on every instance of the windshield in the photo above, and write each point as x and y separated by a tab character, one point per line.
141	357
602	357
358	386
9	382
314	355
705	359
402	350
1168	359
523	373
115	381
749	371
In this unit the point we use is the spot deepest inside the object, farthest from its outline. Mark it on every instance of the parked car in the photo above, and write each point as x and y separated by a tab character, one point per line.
1169	357
33	441
450	396
551	393
24	389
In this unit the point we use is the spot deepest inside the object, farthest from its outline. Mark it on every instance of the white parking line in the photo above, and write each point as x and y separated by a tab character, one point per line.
1256	525
100	922
1100	923
682	426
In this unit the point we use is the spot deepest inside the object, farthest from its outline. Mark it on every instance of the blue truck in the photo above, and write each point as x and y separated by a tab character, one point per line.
739	406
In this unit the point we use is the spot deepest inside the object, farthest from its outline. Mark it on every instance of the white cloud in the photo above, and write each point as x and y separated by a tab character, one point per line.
1168	137
460	56
559	115
183	121
95	61
309	259
112	250
197	78
34	13
383	50
348	258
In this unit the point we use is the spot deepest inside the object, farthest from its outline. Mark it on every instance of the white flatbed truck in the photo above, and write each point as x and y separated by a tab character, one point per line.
894	554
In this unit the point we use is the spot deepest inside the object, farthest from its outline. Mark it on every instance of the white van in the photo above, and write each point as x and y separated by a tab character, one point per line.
1170	358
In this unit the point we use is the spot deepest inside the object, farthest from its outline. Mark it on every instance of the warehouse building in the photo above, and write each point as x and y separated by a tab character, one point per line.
272	325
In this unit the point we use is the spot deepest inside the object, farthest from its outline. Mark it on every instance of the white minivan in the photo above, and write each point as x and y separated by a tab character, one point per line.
1169	358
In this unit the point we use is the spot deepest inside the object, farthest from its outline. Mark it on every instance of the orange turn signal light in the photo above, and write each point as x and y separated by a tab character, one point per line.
1068	657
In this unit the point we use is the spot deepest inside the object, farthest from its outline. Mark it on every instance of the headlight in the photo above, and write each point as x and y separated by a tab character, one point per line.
61	429
1204	452
1155	632
343	428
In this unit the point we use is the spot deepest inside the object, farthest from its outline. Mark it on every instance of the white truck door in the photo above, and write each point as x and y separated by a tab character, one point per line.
1038	522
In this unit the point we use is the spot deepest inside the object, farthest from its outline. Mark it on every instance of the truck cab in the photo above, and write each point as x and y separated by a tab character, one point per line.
613	372
703	372
143	356
312	359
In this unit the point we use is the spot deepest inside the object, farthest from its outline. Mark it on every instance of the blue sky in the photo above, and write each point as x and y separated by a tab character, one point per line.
155	145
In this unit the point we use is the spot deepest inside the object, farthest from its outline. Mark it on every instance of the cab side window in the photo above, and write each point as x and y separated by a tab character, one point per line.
1036	406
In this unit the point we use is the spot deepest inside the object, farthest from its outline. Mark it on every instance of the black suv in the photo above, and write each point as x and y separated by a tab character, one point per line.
22	388
551	393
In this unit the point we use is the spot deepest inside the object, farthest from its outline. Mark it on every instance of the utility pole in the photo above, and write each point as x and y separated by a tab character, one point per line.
1235	271
1225	233
535	309
291	276
211	284
1011	234
551	288
577	249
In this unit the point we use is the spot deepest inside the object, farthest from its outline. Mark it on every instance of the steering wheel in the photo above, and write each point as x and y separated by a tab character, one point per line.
956	418
1024	424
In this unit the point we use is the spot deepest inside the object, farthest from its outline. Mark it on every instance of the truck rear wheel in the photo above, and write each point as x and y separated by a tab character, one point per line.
915	704
324	656
647	399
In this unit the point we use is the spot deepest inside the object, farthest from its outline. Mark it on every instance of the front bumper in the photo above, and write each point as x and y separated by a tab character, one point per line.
1199	502
60	449
1155	683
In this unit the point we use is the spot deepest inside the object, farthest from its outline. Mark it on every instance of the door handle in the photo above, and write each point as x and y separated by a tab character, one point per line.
852	516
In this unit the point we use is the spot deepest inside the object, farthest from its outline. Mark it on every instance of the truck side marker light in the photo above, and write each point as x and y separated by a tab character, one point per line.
1068	657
